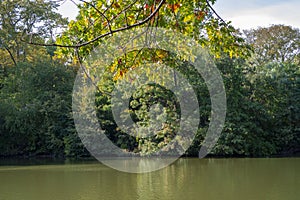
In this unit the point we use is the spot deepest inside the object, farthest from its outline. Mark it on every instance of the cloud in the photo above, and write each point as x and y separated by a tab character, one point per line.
69	9
251	14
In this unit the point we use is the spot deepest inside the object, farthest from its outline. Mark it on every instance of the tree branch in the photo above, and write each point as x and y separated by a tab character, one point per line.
212	9
87	74
11	55
103	15
105	34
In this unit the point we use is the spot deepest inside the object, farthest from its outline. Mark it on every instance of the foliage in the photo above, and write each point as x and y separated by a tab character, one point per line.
103	18
35	92
262	116
148	139
26	20
277	43
278	85
100	18
262	110
35	107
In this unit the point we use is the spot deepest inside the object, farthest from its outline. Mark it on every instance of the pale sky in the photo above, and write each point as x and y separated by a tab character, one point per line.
247	14
244	14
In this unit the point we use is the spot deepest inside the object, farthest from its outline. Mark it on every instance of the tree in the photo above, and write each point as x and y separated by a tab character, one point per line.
35	111
277	89
98	19
277	43
274	76
26	20
35	97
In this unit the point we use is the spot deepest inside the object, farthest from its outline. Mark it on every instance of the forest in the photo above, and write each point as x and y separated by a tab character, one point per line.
41	53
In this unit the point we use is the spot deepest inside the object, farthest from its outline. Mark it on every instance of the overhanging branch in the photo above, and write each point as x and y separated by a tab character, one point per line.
105	34
213	10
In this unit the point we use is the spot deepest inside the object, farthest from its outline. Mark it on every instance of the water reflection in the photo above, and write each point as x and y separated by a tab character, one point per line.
138	164
226	179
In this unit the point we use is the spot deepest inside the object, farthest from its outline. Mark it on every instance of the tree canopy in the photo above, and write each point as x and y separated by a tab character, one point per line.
277	43
38	69
26	20
98	19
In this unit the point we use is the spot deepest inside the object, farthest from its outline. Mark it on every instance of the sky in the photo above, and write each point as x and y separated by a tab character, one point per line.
244	14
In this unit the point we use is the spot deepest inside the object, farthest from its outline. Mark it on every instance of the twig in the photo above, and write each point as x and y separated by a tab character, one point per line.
107	20
11	55
105	34
87	74
208	4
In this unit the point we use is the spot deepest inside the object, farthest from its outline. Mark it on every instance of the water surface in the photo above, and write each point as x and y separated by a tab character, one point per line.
208	179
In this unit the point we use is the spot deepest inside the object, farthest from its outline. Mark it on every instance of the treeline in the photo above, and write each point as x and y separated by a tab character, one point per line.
262	118
35	111
36	83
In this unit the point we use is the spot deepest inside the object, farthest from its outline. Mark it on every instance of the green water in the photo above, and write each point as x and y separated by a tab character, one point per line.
208	179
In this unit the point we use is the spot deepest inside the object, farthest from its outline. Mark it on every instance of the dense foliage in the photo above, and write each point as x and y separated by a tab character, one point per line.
36	111
36	83
99	18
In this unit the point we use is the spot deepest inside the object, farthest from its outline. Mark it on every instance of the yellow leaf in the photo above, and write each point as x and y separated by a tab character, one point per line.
231	54
188	18
113	67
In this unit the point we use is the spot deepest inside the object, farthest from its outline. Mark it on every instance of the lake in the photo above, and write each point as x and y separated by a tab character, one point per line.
186	179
